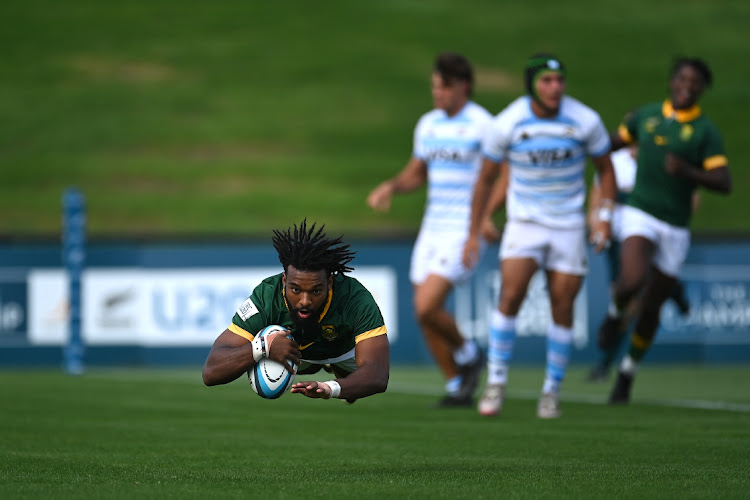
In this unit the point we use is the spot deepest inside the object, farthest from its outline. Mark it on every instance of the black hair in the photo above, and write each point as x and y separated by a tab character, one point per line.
310	250
452	66
697	64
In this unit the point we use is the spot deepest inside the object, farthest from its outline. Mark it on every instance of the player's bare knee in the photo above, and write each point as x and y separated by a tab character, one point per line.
510	303
426	315
562	314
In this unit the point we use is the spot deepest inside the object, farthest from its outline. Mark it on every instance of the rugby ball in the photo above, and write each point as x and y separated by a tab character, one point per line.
268	378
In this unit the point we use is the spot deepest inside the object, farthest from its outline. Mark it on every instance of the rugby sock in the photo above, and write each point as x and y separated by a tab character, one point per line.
639	346
452	385
502	337
559	343
628	366
467	353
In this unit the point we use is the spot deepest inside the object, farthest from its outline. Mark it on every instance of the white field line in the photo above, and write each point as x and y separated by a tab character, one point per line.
436	390
431	390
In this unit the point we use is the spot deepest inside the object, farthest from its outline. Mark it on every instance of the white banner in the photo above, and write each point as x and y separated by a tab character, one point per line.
163	307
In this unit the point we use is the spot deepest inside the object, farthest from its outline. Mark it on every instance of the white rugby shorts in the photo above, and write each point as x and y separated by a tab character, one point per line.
555	249
672	242
439	254
616	223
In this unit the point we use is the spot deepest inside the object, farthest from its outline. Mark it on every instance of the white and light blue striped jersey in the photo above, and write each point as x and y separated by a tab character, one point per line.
547	158
451	148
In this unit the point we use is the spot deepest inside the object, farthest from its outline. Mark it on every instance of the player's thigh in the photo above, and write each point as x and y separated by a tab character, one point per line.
421	255
658	289
567	251
640	232
563	289
307	368
516	273
523	248
635	260
439	255
430	295
671	252
524	240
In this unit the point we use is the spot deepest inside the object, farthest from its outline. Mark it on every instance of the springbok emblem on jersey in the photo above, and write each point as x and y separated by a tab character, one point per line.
329	332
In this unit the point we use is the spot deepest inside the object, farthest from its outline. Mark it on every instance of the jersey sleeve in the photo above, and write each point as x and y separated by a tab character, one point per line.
495	139
367	319
713	150
628	129
418	149
249	318
598	142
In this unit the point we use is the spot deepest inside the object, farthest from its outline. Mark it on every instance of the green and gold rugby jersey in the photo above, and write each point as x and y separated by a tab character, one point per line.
349	316
660	129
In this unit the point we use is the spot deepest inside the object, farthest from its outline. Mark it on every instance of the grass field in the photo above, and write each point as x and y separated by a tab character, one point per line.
119	433
231	118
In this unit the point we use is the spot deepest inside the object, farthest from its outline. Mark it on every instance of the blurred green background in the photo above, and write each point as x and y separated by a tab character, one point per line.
229	118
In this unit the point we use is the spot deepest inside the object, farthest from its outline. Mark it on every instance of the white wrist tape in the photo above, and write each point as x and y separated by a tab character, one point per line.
259	348
605	214
335	388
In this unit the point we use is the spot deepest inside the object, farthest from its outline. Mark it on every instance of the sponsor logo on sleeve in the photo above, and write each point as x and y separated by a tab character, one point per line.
247	309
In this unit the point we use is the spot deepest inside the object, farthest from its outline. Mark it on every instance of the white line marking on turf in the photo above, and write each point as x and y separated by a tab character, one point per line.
436	390
430	390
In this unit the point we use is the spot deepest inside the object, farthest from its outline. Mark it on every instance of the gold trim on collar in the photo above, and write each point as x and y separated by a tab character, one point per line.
328	304
680	115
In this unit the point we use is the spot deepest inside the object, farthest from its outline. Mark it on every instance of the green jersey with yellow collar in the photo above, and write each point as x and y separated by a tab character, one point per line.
659	129
350	315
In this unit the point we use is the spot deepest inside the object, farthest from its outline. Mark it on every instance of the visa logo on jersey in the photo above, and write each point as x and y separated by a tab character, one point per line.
548	156
452	155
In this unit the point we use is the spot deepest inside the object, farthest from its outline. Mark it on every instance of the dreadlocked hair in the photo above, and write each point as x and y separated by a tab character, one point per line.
310	250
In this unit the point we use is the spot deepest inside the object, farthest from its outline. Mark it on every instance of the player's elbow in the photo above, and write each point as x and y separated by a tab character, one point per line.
721	181
209	376
723	188
380	383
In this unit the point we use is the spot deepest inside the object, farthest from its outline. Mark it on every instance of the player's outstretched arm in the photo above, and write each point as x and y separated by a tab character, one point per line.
716	179
232	355
370	377
413	176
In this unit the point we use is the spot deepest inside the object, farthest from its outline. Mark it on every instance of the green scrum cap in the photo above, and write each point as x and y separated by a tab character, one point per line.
538	64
